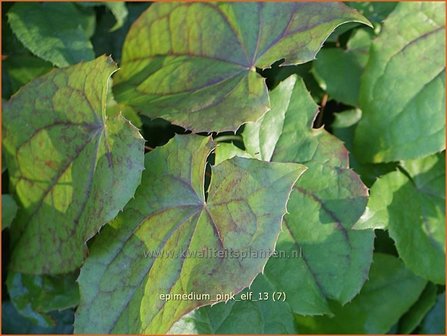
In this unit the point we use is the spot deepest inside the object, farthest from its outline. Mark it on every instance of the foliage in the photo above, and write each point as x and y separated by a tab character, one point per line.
170	214
249	168
420	99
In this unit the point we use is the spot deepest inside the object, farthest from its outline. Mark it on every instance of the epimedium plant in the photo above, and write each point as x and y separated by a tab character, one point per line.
107	203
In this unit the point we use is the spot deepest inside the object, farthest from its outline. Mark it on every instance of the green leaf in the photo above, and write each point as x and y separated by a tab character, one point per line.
299	141
389	293
359	43
320	189
66	165
374	11
110	42
227	151
402	94
338	71
333	260
421	227
173	68
127	112
15	323
21	69
9	210
346	119
62	37
434	322
118	9
19	66
33	295
336	36
343	127
284	135
246	314
415	315
171	240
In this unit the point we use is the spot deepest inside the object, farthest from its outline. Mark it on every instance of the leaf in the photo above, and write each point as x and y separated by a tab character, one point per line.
434	322
127	112
246	314
66	165
45	293
343	127
320	189
359	43
299	141
286	132
118	9
333	260
34	295
14	323
286	136
337	35
389	293
21	69
374	11
173	68
227	151
106	41
62	37
338	71
19	65
403	104
171	240
9	210
421	227
416	313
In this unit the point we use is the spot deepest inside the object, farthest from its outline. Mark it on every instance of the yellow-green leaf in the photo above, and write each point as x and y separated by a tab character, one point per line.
172	240
72	168
194	64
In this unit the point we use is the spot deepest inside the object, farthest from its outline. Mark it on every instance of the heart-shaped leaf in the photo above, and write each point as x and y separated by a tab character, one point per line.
402	94
390	282
324	205
421	227
338	71
171	241
286	134
173	68
333	259
67	160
